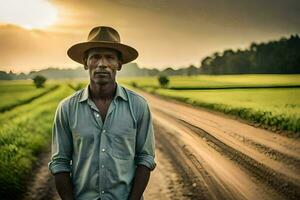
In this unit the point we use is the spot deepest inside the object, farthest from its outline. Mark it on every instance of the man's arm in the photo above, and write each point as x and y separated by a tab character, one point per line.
64	186
61	153
142	175
145	152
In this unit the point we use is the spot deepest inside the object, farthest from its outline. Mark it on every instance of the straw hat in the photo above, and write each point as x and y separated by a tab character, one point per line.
102	36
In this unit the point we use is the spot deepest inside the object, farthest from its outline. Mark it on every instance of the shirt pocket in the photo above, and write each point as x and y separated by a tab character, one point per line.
123	143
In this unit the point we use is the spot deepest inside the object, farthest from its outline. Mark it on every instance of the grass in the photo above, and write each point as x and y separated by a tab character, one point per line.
15	93
220	81
24	132
276	108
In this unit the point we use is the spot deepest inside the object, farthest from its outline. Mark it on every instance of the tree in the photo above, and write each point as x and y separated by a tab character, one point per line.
191	70
39	81
280	56
134	84
163	80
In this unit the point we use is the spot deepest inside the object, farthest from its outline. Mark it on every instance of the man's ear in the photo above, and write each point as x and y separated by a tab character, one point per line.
85	64
120	66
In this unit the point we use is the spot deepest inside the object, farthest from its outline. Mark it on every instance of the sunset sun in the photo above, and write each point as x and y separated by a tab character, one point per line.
29	14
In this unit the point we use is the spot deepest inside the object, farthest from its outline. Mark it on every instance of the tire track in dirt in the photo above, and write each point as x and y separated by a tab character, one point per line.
280	182
215	176
283	184
187	166
166	181
40	185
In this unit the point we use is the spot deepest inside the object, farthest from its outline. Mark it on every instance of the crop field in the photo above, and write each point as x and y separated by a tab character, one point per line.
268	100
20	92
25	131
217	81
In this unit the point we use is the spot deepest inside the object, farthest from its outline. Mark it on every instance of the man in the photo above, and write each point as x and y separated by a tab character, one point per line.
103	140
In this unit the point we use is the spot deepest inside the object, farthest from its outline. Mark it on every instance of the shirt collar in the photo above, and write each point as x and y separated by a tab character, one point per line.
119	93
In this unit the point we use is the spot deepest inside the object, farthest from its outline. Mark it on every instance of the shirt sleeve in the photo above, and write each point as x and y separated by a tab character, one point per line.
61	142
145	143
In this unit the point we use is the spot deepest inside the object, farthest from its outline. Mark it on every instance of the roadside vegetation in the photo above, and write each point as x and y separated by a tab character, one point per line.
25	131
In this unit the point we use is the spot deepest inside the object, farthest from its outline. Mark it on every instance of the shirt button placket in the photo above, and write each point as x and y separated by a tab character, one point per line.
102	166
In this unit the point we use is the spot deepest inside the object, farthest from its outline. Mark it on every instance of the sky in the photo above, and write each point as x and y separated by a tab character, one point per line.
36	34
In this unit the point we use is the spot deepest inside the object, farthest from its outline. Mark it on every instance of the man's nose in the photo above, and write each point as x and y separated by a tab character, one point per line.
102	62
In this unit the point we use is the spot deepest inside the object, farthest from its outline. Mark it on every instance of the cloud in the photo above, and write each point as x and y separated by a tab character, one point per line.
166	33
23	49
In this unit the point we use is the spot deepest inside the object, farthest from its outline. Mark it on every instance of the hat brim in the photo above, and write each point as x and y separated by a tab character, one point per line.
76	52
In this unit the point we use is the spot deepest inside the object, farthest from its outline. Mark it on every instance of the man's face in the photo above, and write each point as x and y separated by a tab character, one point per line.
102	64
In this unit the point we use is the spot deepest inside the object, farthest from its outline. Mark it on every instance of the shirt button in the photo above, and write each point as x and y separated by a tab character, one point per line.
102	192
97	115
102	166
103	149
103	131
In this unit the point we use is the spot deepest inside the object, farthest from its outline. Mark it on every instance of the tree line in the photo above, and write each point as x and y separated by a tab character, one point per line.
274	57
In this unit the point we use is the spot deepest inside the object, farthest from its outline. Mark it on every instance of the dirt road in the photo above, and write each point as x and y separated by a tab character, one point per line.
221	158
202	155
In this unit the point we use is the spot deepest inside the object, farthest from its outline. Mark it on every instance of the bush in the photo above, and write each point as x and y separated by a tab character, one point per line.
134	84
163	80
39	81
21	141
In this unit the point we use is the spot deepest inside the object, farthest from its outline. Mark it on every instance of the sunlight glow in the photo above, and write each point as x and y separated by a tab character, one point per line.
29	14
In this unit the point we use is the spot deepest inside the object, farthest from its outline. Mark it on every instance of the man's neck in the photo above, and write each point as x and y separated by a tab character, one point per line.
102	92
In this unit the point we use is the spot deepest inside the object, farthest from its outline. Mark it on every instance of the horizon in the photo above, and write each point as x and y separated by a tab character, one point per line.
166	34
141	67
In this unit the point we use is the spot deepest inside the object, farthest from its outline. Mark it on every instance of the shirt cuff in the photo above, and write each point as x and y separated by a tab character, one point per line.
59	166
146	160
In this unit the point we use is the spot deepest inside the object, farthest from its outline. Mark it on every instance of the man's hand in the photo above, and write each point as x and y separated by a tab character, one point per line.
64	186
142	175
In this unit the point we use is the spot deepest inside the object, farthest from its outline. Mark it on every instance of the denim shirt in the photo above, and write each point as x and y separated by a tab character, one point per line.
102	157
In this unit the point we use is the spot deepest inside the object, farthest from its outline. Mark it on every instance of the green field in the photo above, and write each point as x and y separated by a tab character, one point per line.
276	108
217	81
25	131
14	93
